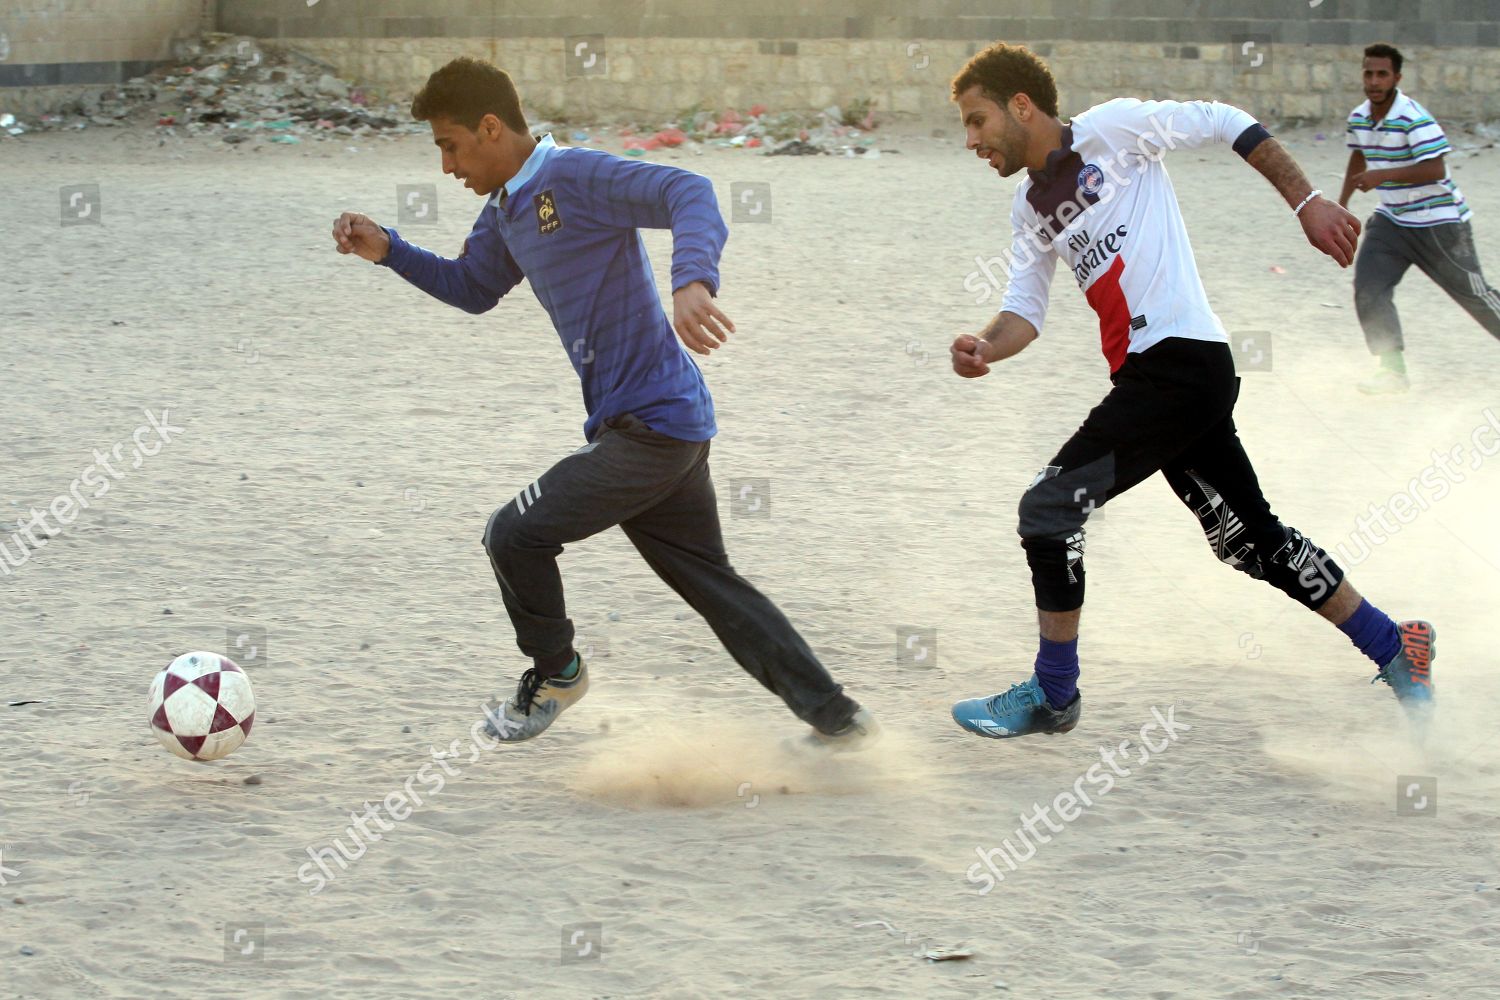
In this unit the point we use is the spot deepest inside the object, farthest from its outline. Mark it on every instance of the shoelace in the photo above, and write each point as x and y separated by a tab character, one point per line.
531	683
1020	696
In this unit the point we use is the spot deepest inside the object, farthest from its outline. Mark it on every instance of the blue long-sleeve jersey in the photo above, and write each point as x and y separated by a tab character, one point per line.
571	228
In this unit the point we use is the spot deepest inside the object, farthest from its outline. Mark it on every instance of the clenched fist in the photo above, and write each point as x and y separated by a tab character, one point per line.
355	233
972	355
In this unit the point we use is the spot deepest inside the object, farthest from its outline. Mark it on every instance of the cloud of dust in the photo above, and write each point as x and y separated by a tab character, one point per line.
702	765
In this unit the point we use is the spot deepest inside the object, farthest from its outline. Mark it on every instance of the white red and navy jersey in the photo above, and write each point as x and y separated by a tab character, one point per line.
1105	207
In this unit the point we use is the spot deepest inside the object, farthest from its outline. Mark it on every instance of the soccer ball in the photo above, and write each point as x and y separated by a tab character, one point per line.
202	707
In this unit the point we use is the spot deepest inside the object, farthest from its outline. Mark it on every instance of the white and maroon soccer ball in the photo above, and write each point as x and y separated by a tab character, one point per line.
202	707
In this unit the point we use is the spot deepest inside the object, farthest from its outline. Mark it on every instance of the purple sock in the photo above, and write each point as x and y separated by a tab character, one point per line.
1373	632
1057	671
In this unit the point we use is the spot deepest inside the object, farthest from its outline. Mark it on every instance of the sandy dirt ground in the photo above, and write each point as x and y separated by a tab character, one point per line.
343	438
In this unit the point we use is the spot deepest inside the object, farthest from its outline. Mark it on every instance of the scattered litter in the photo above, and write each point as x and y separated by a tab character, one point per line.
877	923
231	88
834	131
220	82
797	147
1277	269
947	954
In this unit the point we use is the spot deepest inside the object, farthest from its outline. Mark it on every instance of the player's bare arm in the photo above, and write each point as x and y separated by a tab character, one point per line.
1427	172
1006	336
698	322
1331	228
359	234
1354	169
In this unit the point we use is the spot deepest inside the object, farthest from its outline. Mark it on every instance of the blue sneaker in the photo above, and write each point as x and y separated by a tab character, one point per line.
1410	673
1021	711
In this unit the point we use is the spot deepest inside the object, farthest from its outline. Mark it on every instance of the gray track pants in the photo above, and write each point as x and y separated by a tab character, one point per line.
1445	254
658	490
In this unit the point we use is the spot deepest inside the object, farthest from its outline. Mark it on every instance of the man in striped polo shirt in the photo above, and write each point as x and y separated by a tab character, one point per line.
1399	149
568	221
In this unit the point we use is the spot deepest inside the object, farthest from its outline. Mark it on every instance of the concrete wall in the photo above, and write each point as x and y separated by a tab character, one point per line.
648	80
1332	22
1280	58
50	50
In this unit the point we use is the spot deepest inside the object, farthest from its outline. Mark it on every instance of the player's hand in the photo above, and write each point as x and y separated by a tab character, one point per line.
1364	182
697	320
355	233
1331	229
972	355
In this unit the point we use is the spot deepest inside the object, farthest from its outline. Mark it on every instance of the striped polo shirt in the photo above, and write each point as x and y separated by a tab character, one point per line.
1408	135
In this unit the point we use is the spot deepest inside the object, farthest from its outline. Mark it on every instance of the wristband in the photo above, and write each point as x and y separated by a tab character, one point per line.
1299	208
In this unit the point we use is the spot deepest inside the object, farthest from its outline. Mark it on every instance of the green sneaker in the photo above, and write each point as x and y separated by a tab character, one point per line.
1385	382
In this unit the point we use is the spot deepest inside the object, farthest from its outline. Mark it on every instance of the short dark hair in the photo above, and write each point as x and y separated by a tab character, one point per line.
1380	50
1002	71
467	89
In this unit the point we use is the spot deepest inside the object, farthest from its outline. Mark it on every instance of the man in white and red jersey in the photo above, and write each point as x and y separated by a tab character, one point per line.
1399	150
1098	199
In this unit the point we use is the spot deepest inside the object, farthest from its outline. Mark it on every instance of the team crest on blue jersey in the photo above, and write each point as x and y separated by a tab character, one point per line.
1091	180
547	219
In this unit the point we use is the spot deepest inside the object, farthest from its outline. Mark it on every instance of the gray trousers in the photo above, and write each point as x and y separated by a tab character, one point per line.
1445	253
658	490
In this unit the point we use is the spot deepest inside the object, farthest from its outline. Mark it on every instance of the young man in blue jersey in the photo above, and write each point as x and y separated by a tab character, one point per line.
1399	150
567	220
1097	198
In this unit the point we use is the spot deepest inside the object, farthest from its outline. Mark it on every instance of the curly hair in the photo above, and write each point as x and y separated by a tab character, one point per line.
1002	71
464	91
1380	50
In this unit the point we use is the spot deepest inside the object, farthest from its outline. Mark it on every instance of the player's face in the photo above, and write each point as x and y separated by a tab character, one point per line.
1380	79
471	156
992	132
